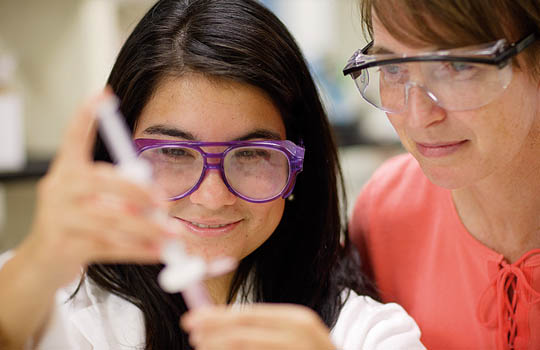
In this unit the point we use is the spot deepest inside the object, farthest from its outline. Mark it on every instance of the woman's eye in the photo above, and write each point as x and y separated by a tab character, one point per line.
457	71
391	69
461	66
392	73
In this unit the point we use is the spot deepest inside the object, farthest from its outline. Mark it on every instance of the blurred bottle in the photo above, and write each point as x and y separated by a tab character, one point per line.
12	146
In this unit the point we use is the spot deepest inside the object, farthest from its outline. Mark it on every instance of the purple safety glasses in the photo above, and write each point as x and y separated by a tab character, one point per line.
256	171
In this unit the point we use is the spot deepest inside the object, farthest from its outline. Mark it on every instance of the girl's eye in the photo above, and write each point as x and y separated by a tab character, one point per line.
251	154
176	154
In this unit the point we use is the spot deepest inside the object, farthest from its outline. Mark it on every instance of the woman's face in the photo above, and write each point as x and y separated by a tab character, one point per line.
458	149
215	222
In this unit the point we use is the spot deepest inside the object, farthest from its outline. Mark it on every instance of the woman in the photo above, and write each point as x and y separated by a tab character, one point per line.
452	230
192	74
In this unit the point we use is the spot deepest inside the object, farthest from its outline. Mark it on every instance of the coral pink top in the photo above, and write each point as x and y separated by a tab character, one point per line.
462	294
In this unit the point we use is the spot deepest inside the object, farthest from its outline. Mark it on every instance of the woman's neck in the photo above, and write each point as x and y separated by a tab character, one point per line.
503	210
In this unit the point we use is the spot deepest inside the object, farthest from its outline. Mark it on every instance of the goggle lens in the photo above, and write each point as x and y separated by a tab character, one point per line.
455	86
256	173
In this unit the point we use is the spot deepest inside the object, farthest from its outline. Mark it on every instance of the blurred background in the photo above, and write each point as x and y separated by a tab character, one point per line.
56	53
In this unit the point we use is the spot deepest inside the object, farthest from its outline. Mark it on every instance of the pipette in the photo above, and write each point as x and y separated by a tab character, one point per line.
116	136
182	273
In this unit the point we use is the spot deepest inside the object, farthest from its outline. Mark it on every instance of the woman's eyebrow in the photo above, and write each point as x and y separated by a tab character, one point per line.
379	50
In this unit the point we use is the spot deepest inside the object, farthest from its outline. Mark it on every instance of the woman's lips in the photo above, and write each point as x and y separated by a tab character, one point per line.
439	149
209	228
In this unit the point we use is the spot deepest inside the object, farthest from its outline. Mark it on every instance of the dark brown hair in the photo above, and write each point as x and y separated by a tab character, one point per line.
303	262
454	23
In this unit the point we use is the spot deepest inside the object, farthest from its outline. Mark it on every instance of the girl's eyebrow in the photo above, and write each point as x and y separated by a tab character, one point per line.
169	131
260	134
164	130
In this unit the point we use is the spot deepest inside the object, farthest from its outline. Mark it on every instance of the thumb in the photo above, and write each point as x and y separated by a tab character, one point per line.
79	137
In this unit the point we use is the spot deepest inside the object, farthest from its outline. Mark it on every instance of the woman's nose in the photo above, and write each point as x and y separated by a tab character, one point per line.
422	108
212	192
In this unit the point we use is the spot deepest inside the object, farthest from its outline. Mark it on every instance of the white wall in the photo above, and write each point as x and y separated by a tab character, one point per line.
65	49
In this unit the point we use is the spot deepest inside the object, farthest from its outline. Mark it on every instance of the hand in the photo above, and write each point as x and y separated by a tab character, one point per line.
257	327
87	212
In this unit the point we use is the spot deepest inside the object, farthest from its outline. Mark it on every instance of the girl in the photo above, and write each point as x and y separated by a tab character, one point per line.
221	81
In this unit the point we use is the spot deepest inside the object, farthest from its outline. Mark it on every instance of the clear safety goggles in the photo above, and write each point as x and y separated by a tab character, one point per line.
256	171
456	79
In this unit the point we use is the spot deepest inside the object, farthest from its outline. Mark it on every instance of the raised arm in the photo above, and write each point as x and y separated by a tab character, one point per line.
86	212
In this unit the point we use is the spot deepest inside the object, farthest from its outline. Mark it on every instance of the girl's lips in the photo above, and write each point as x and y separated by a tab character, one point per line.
209	229
439	149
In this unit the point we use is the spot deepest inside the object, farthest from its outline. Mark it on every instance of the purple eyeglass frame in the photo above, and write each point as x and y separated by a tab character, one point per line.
294	153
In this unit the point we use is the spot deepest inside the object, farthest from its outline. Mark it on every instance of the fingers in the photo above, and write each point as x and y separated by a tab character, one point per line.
105	179
89	212
261	326
125	250
112	216
79	137
263	315
244	338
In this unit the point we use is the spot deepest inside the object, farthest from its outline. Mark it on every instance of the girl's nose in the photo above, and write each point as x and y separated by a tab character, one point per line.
212	192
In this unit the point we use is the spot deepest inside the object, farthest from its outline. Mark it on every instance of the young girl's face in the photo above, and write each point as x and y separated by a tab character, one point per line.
193	108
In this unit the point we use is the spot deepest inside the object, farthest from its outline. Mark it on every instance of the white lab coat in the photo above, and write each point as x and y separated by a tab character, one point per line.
96	319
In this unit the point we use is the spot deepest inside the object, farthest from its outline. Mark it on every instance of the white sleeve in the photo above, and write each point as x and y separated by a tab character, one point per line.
58	333
5	256
365	324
